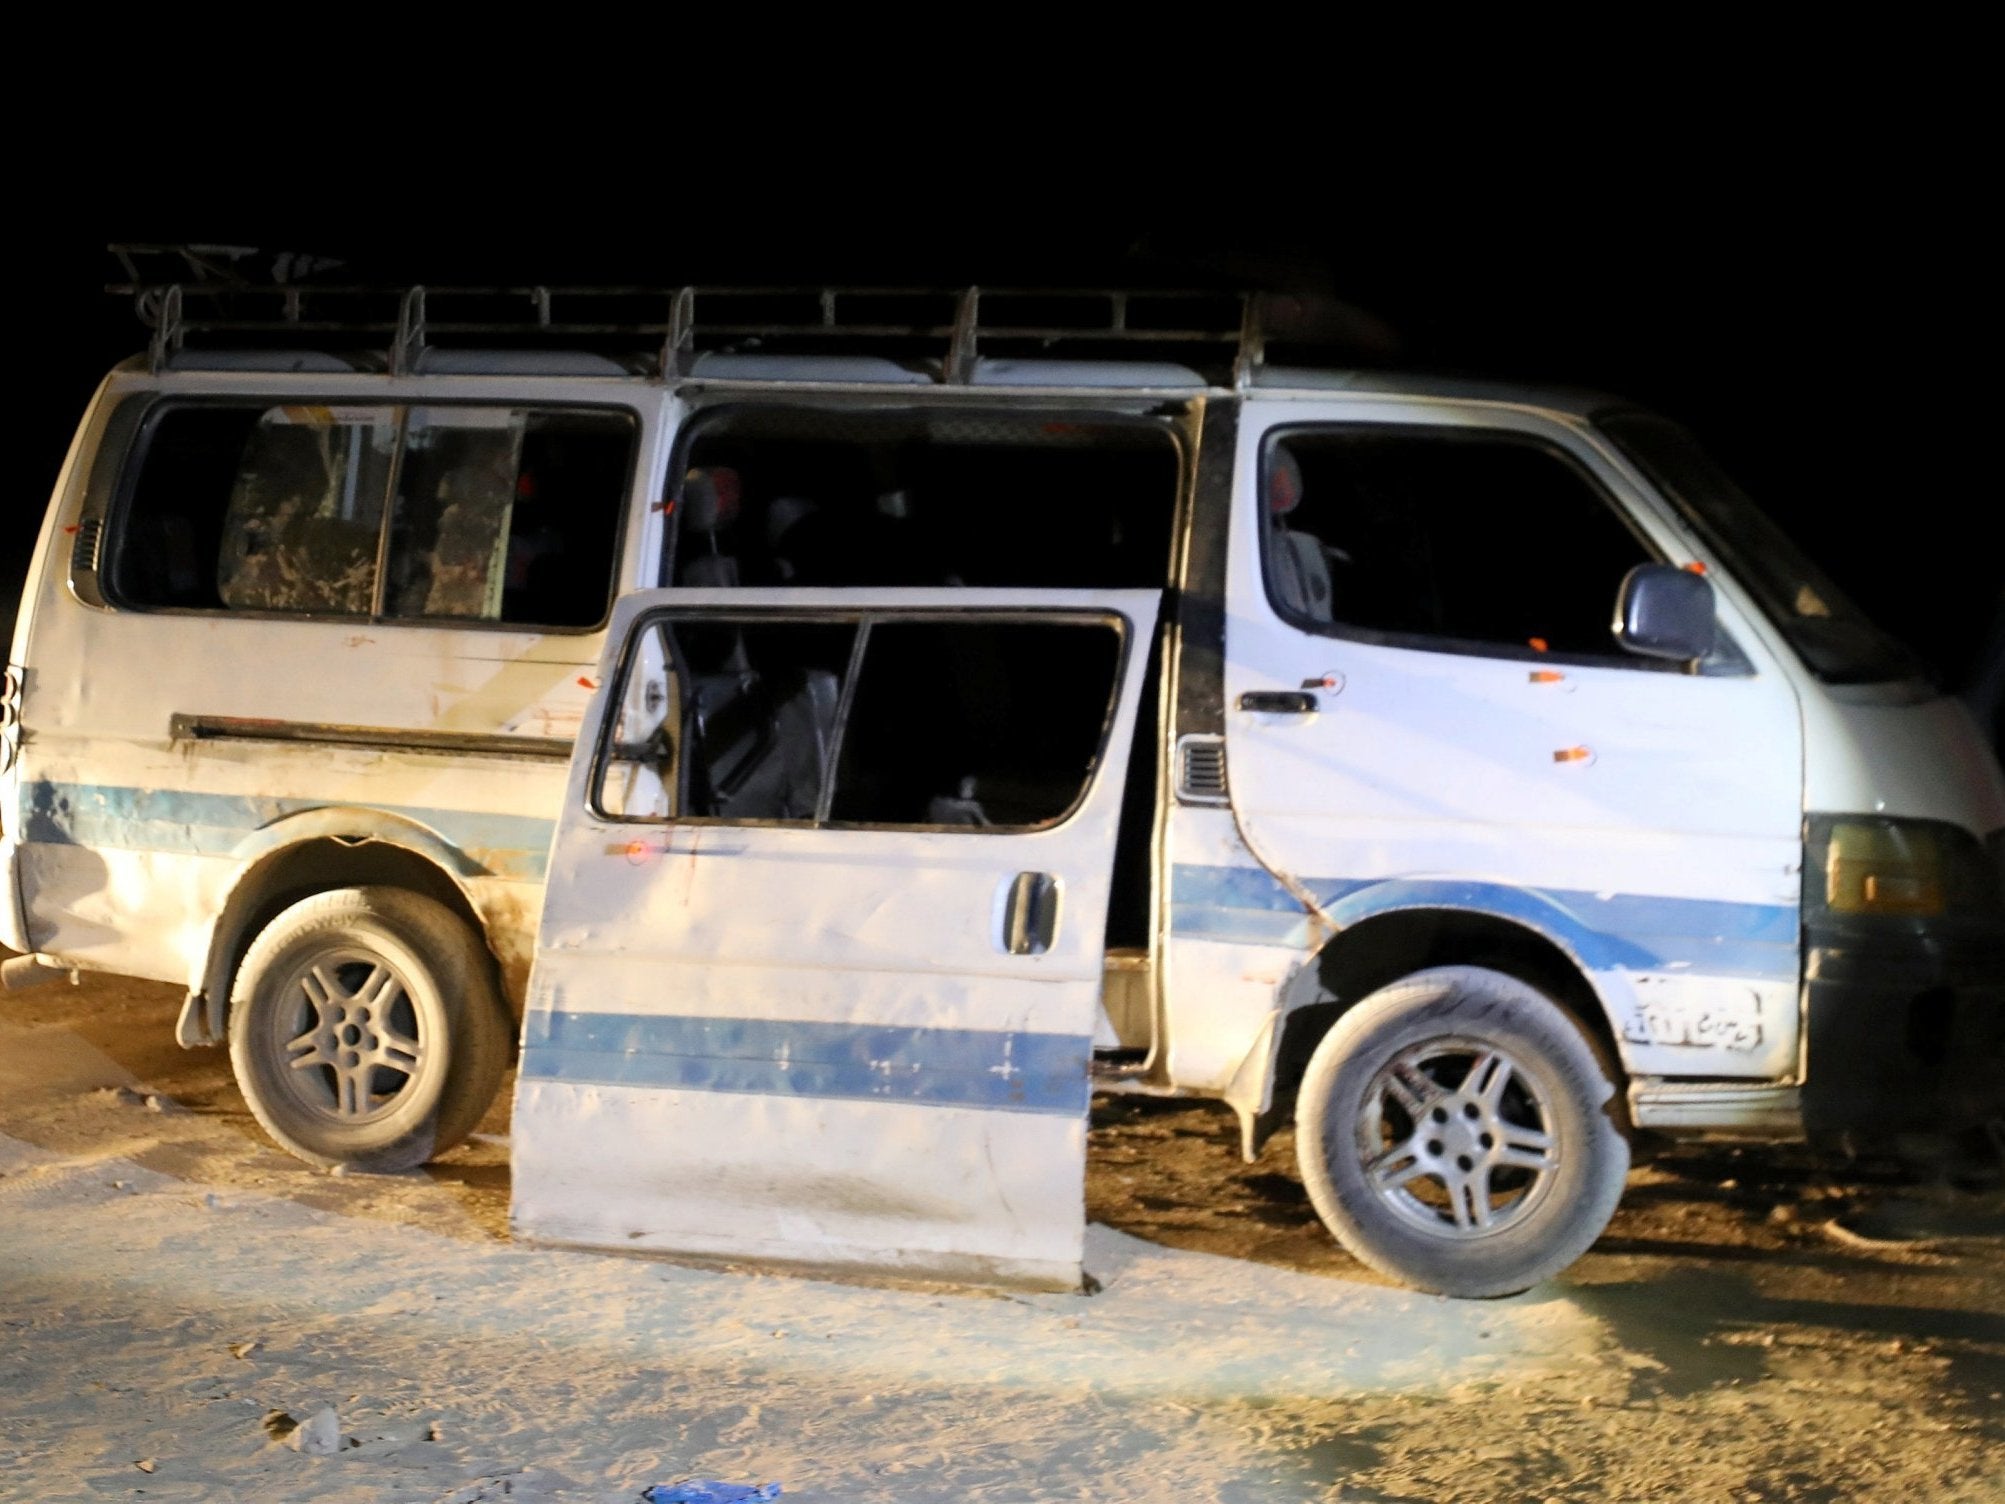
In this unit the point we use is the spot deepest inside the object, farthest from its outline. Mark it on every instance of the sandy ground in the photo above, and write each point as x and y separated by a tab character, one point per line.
175	1294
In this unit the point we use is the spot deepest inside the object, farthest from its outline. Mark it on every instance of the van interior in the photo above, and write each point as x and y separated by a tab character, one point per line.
972	724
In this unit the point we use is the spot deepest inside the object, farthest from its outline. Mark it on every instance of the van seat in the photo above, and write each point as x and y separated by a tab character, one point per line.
762	742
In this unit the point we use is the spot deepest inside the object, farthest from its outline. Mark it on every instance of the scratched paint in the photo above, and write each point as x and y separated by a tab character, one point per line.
813	1045
105	790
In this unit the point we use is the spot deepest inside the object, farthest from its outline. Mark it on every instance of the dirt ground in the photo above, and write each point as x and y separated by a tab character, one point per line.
1754	1325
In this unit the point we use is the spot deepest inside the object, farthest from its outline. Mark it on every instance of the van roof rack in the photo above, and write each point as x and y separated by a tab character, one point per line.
662	330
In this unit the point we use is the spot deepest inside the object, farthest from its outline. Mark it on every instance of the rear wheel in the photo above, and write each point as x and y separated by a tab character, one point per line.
1456	1130
366	1029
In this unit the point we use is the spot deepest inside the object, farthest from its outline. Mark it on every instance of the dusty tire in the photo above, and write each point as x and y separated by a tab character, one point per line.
366	1029
1456	1130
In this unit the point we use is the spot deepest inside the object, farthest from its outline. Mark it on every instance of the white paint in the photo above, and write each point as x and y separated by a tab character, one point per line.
734	1147
1216	994
1898	750
1436	765
101	688
917	1189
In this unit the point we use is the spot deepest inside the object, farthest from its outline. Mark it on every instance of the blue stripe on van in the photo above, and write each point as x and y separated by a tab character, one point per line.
979	1068
1705	936
177	820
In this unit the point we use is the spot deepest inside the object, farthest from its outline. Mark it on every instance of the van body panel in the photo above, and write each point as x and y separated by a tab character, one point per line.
810	1042
103	768
1646	822
1877	751
1222	980
194	734
189	819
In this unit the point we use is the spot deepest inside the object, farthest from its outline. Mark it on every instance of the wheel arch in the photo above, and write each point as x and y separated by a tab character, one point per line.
313	852
1394	942
1398	1158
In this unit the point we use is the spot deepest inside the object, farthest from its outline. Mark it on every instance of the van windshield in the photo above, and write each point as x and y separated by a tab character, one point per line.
1836	639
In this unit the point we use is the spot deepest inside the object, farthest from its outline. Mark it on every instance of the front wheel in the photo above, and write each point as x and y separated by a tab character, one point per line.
1456	1131
366	1029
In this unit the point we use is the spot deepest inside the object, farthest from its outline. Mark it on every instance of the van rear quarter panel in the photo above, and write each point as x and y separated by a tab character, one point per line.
127	836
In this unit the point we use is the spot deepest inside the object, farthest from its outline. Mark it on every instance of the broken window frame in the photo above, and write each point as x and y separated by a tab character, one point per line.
862	618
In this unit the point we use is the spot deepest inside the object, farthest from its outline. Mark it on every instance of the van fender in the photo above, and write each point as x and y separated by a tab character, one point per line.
1595	953
1602	963
205	1014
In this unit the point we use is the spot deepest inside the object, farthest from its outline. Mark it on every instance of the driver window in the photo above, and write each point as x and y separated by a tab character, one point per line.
1440	537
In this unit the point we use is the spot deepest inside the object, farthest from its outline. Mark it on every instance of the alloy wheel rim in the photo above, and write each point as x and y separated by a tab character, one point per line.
350	1038
1456	1137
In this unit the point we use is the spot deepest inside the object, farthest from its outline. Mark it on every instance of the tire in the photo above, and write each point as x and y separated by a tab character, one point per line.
366	1029
1456	1131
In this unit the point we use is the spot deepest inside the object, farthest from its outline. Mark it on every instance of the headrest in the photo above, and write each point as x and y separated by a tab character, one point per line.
710	498
1284	482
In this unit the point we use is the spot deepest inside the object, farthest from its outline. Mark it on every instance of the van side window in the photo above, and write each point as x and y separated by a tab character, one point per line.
301	527
500	514
1476	539
977	723
507	514
774	495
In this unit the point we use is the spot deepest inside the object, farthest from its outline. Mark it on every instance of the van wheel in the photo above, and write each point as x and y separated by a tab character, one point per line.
366	1029
1456	1131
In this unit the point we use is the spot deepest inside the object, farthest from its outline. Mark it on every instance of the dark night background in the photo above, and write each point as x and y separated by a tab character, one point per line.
1820	341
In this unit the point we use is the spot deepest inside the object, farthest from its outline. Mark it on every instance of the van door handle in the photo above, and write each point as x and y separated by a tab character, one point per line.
1278	701
1030	915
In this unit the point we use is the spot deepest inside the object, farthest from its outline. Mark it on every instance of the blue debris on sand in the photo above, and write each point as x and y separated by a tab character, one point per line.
708	1491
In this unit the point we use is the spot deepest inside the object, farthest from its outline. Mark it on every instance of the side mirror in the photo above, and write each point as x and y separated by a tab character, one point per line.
1663	611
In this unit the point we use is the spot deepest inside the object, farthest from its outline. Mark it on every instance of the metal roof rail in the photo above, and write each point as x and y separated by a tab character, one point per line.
944	330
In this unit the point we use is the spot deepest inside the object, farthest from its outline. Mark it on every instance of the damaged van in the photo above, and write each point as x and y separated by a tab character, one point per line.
835	734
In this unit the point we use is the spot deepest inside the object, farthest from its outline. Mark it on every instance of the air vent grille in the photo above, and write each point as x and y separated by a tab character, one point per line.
1201	770
83	553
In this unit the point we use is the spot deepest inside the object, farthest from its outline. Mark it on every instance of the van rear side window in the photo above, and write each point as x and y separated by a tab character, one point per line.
845	497
496	514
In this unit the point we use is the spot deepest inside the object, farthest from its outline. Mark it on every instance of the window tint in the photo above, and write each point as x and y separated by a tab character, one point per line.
256	509
501	514
840	497
884	722
977	723
1839	642
1479	539
507	515
306	512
